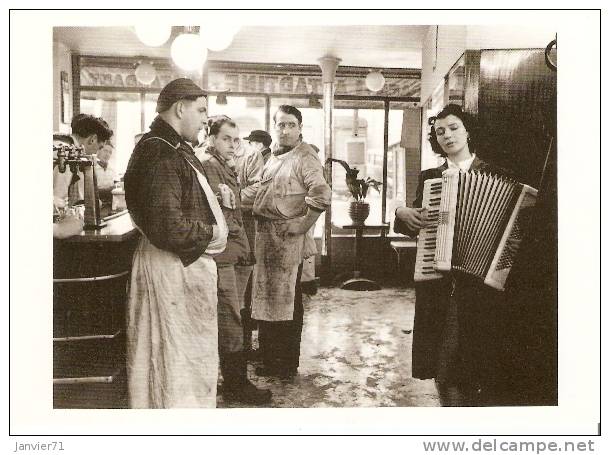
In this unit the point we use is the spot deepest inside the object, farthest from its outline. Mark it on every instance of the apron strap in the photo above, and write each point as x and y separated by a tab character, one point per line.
218	246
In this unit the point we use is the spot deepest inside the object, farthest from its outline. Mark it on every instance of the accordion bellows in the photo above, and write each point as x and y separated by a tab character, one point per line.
474	223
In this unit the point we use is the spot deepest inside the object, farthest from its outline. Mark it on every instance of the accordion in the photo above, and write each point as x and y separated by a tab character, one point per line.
474	225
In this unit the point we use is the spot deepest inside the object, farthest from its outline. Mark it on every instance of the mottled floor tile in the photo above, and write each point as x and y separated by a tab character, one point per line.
355	352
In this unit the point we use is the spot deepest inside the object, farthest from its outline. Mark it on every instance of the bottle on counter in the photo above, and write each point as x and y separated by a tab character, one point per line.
118	197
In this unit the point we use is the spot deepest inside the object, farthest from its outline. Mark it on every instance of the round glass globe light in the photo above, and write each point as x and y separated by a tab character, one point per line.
153	35
188	52
217	38
375	81
146	73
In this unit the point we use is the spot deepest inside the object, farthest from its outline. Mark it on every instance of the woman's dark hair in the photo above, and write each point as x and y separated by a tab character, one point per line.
216	122
288	109
85	125
467	120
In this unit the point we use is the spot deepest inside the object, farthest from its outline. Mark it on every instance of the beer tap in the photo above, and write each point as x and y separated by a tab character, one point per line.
74	157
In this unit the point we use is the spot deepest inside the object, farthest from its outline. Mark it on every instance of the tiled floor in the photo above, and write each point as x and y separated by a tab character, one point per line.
355	352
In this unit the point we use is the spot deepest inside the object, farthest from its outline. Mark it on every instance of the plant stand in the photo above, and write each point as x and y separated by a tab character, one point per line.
358	282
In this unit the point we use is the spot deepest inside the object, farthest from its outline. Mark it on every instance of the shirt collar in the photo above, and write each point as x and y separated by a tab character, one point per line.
281	150
462	165
226	163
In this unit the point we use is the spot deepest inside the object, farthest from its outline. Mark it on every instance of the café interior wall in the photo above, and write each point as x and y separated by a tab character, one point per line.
439	53
62	61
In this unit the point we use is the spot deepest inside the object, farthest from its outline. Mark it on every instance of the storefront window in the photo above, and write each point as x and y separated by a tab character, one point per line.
150	110
108	88
455	83
247	111
429	159
396	191
358	140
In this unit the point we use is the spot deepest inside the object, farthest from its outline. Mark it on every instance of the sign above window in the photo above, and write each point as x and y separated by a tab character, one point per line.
304	80
99	76
273	84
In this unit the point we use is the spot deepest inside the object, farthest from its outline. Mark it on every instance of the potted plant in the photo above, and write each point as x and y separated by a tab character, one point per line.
359	209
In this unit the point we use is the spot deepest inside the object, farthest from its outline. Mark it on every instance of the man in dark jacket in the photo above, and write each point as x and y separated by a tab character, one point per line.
220	170
172	334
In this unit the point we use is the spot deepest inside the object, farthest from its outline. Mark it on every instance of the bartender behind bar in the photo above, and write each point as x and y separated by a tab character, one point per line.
91	133
105	174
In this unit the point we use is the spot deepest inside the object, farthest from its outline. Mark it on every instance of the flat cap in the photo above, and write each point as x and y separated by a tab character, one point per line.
260	136
176	90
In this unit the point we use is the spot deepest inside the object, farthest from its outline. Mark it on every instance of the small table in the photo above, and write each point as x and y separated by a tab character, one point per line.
358	282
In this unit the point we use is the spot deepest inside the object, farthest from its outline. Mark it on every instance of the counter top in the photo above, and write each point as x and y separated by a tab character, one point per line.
118	228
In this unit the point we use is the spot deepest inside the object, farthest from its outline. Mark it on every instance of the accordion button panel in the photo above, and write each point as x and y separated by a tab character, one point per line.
426	242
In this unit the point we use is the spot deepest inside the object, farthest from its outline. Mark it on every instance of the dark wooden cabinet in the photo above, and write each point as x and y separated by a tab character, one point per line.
90	277
513	95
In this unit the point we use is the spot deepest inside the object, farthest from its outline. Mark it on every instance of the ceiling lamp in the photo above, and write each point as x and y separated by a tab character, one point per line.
375	81
146	73
188	52
217	37
153	35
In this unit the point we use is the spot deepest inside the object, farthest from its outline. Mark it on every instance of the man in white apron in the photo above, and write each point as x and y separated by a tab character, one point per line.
172	332
292	195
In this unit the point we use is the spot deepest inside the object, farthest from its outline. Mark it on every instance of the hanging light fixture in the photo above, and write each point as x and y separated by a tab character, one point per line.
188	51
146	73
375	81
217	37
153	35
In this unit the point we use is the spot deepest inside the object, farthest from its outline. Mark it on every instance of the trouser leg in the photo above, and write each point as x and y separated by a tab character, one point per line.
230	336
236	386
267	343
244	290
284	337
296	326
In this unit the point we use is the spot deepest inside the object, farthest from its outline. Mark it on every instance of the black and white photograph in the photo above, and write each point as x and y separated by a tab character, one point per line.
256	214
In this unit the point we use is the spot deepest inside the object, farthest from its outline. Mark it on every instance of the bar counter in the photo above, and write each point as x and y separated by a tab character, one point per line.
119	228
90	276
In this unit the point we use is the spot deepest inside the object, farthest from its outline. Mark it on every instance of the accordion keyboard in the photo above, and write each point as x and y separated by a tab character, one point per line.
426	241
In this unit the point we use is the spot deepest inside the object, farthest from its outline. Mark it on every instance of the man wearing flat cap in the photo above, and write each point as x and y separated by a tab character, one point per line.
172	332
260	141
249	163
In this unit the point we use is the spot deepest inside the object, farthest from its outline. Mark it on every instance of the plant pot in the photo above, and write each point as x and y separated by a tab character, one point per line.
359	211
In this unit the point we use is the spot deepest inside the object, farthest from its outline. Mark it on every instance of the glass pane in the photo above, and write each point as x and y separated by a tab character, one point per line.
429	159
150	107
247	112
122	112
455	83
396	191
358	140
